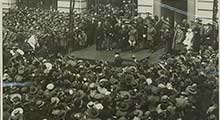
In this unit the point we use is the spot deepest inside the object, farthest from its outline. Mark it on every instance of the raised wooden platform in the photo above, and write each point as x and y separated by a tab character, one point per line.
91	54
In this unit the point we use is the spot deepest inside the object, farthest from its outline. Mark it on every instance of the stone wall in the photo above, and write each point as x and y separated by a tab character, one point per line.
204	10
8	4
64	5
145	6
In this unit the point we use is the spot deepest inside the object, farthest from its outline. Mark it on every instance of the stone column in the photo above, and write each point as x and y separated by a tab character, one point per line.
145	6
157	8
80	5
204	10
64	5
8	4
191	10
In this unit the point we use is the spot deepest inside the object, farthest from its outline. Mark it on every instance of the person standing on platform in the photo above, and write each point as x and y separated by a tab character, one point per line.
91	31
99	36
132	38
208	35
168	40
178	38
151	32
144	35
140	31
108	35
117	33
157	25
167	34
184	26
197	35
124	38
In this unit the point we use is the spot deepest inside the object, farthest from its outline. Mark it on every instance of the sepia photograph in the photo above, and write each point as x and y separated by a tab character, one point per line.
110	59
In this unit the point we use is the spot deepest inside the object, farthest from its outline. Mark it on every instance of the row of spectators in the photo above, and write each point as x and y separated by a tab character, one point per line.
106	28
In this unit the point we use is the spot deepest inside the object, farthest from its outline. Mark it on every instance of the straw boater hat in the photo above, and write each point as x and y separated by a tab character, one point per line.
17	111
50	86
15	98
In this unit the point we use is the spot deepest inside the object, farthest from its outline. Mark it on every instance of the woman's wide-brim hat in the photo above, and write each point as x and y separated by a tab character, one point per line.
15	98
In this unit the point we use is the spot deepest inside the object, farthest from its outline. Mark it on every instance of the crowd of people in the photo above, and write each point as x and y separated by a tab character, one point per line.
106	27
183	86
39	85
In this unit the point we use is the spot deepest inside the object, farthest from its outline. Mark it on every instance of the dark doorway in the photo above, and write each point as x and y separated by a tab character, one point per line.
175	10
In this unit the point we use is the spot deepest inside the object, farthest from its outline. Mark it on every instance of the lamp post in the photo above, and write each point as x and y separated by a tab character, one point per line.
214	18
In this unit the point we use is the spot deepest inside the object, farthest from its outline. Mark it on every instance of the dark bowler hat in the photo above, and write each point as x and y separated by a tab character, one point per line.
93	113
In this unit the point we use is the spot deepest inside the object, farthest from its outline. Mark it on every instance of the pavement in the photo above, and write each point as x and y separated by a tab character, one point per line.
91	54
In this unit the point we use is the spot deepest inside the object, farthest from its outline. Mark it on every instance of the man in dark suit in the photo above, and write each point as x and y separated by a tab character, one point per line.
99	36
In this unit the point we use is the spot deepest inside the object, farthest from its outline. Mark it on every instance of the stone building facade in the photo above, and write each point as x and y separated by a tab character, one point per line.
176	10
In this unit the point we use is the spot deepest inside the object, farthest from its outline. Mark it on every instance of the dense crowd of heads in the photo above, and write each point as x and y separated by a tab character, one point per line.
63	87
